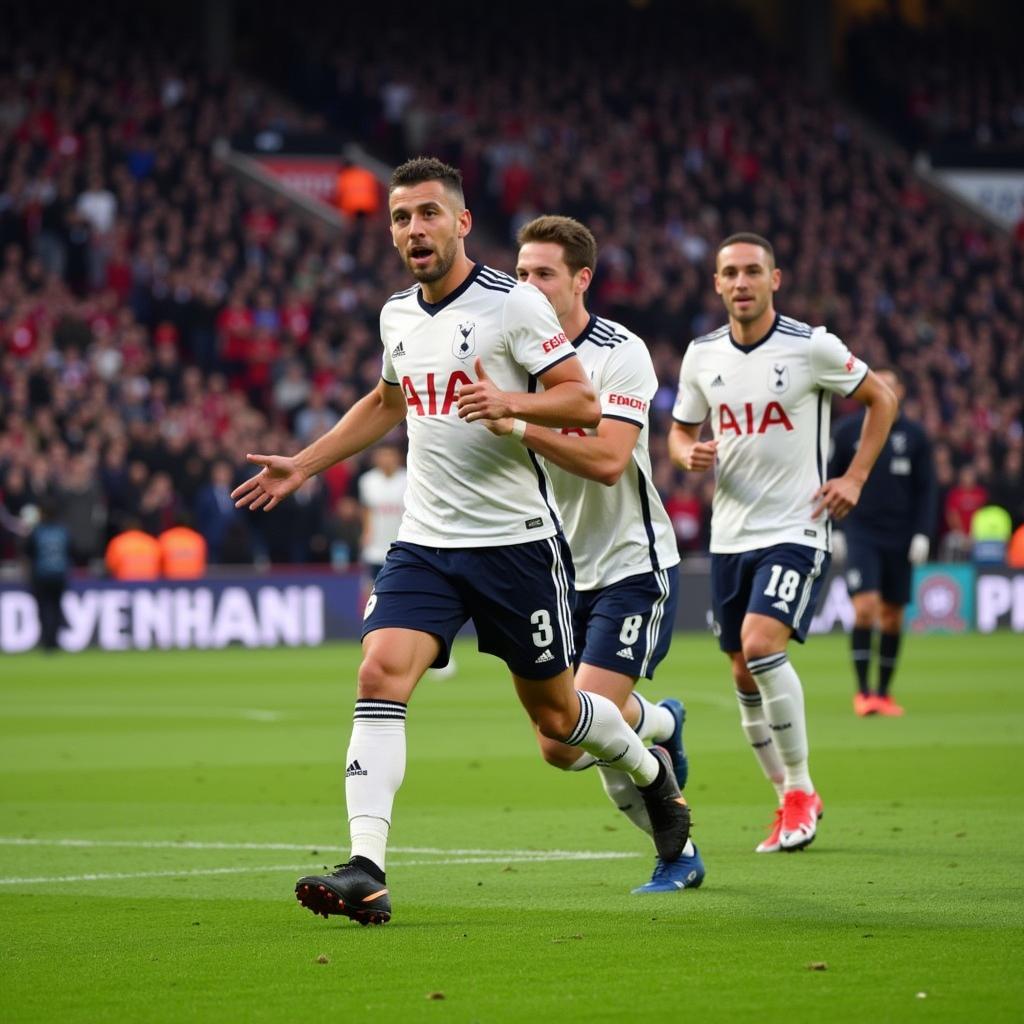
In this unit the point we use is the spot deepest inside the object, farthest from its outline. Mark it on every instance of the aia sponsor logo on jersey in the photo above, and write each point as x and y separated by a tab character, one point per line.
851	363
628	401
433	396
552	343
746	421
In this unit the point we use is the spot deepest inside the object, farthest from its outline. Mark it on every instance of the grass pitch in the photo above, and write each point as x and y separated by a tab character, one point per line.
157	808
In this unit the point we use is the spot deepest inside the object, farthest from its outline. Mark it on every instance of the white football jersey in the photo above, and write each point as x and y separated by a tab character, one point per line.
468	488
770	409
623	530
384	498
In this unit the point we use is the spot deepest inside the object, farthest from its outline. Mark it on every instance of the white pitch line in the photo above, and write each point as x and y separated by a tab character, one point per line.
536	857
121	711
185	844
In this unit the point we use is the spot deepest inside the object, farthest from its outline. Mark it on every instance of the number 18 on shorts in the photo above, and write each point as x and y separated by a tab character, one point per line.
783	582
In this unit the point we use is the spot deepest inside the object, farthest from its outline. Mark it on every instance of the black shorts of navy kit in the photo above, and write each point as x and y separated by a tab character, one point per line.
519	597
627	626
870	567
783	581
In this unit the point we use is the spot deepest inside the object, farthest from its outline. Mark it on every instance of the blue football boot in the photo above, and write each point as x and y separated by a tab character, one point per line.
673	875
674	744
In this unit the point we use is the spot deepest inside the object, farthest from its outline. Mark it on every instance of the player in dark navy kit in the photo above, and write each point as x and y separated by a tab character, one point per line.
479	539
886	535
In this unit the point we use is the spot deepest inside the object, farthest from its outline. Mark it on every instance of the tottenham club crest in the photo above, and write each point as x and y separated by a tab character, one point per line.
464	341
778	378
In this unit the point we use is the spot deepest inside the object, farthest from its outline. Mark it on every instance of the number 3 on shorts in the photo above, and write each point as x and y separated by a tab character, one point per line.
790	582
545	634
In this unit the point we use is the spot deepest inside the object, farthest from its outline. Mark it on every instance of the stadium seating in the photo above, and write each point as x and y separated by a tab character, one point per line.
158	318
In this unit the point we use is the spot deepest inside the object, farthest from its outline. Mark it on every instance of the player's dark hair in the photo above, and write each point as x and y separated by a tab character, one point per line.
749	238
428	168
578	243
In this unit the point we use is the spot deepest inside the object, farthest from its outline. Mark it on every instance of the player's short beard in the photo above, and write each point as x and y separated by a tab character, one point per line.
751	315
445	262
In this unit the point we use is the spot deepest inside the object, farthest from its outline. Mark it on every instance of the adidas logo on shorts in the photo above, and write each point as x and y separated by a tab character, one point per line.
546	656
782	606
626	652
354	769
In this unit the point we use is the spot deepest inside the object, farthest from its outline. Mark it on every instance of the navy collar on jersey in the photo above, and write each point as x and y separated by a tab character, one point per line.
433	308
586	332
760	341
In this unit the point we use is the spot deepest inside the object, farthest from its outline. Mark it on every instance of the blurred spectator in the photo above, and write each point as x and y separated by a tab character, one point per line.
182	552
962	501
215	510
48	549
82	507
382	496
990	531
685	510
133	555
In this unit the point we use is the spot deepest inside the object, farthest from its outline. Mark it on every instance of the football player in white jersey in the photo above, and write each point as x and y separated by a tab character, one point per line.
382	495
765	381
479	538
622	542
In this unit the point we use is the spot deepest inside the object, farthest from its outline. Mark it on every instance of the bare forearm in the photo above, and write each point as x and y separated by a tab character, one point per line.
367	421
878	420
592	458
681	442
569	404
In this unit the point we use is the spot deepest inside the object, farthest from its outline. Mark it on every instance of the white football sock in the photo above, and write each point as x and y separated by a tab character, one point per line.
656	723
784	708
623	793
602	731
375	767
759	735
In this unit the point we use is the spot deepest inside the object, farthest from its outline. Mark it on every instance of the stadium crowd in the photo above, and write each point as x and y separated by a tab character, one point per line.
943	85
158	319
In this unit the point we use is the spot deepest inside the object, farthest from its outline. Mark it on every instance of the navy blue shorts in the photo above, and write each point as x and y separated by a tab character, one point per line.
873	568
783	582
627	627
519	596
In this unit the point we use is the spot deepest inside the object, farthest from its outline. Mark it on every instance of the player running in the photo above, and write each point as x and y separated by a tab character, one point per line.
622	542
885	536
764	380
479	539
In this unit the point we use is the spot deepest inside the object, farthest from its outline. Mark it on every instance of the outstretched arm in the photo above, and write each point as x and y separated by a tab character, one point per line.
839	495
367	421
567	398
